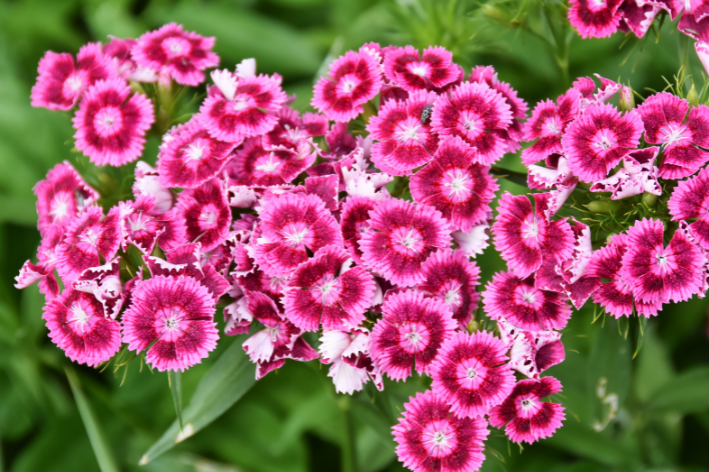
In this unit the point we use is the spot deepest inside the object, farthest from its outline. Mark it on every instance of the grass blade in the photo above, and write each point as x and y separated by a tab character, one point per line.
175	381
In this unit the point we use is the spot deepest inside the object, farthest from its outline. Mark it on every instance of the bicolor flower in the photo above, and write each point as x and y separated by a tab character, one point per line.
206	213
638	175
351	365
412	71
595	19
531	352
147	183
690	200
143	227
253	164
354	221
547	125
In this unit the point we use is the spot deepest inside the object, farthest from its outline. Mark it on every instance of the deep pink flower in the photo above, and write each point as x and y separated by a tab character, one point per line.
547	125
455	186
61	82
340	143
348	352
599	139
253	164
431	439
206	213
702	49
451	277
477	114
517	300
690	200
352	81
292	131
659	274
183	55
524	235
595	19
637	16
470	373
666	122
354	220
326	187
400	237
322	290
78	325
638	175
143	227
110	125
173	318
292	224
43	271
412	71
147	183
413	327
692	22
104	283
241	107
531	352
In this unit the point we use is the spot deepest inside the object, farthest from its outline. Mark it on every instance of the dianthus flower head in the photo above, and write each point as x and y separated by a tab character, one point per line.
599	139
470	373
180	54
253	164
525	417
637	16
173	318
323	290
690	200
61	81
516	299
352	81
348	352
460	189
400	237
354	221
326	187
206	213
147	183
638	175
410	70
595	19
547	125
531	352
432	439
143	227
413	327
477	114
667	123
111	124
292	130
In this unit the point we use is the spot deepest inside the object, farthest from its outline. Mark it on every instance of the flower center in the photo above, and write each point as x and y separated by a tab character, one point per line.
528	297
138	223
414	338
674	133
195	151
108	121
60	206
530	230
419	68
79	317
604	140
73	83
89	237
270	165
471	374
453	297
410	240
295	235
240	104
440	441
459	183
176	47
348	86
407	133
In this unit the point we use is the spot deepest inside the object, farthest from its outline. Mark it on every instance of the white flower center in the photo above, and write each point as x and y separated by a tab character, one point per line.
73	83
661	259
414	338
527	404
453	297
270	165
240	104
419	70
194	152
208	217
471	374
458	182
89	237
408	133
60	206
348	86
138	223
674	134
531	230
528	297
471	125
409	240
78	316
296	237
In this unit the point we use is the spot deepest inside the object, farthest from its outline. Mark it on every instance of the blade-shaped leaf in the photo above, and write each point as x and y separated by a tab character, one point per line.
174	378
686	393
98	443
225	383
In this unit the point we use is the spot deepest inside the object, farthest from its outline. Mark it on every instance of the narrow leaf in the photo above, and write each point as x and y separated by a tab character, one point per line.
98	443
686	393
175	381
225	383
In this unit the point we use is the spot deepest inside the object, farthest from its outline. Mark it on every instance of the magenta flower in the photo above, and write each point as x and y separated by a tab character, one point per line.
79	326
690	200
515	299
241	107
657	274
413	327
143	227
451	277
206	213
105	284
293	131
147	183
292	224
182	55
667	123
599	139
638	175
595	19
547	125
524	236
637	16
412	71
326	187
61	81
348	352
173	318
400	237
405	141
353	80
431	439
253	164
189	156
354	221
525	416
110	125
43	271
531	352
454	185
322	290
471	375
477	114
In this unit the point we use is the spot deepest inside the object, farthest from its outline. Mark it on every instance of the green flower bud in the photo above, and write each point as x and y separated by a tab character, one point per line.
601	206
626	101
693	96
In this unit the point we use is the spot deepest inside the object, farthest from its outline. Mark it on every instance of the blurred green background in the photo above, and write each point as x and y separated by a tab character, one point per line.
650	413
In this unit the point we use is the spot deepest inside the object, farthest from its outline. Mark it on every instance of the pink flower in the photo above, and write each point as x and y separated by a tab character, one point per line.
637	16
147	183
110	125
477	114
61	82
455	186
595	19
253	164
667	123
292	224
517	300
531	352
451	277
173	318
702	49
690	200
293	131
352	81
525	236
638	175
348	353
326	187
189	156
400	237
323	290
413	327
241	107
431	439
105	284
206	213
354	220
405	140
659	274
599	139
413	72
471	375
43	271
547	125
78	325
143	227
525	416
179	54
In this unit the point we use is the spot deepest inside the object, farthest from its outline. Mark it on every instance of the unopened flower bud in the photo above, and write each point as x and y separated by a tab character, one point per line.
626	101
649	199
693	96
496	14
600	206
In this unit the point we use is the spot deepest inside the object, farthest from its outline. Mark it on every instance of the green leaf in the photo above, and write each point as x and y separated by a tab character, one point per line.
225	383
686	393
175	381
578	439
653	368
98	443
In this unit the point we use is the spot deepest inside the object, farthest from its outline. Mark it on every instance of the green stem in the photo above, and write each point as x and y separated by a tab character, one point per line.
519	178
349	450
